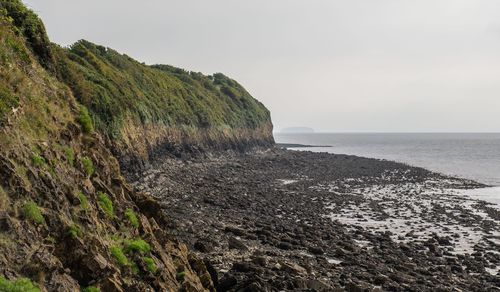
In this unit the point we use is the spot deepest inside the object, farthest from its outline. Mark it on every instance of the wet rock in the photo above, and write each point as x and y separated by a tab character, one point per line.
316	250
235	243
226	283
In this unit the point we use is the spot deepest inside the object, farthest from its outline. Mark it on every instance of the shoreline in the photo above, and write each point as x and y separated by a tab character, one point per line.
290	220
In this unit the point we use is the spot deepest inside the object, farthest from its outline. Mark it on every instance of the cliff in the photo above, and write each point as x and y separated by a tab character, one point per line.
68	219
146	110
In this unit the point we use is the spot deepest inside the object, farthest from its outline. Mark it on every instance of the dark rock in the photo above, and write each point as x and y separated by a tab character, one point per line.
235	243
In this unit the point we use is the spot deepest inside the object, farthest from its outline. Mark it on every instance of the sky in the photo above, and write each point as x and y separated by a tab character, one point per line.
332	65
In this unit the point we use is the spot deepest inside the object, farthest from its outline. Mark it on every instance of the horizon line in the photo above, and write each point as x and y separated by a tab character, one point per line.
388	132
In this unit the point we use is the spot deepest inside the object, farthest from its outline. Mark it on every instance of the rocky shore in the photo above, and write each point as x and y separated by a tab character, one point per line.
284	220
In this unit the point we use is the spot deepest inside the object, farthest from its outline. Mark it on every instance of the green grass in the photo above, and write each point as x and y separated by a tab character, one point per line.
88	166
7	102
74	231
37	160
84	202
32	212
132	218
69	154
19	285
85	120
134	268
114	87
106	204
91	289
137	245
119	256
150	264
27	23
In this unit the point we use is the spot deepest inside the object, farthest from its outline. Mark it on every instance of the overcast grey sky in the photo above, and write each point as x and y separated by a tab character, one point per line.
351	65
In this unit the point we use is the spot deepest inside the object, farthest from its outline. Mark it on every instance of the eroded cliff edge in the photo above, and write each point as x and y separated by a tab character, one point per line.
69	118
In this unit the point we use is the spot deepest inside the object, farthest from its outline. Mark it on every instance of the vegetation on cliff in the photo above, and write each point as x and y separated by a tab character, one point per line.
68	219
115	87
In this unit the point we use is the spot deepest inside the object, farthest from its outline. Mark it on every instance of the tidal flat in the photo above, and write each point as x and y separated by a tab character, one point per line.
288	220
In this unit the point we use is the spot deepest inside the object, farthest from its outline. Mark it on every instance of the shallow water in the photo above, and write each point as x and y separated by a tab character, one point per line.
474	156
491	195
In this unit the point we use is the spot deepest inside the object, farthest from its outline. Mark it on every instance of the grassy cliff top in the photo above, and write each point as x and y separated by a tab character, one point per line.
115	88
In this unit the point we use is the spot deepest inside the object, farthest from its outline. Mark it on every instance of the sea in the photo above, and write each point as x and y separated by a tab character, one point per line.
473	156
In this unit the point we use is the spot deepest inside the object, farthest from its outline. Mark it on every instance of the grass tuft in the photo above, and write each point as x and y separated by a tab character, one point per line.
32	212
74	231
70	155
85	120
91	289
84	202
37	160
150	264
106	205
88	166
119	256
132	218
19	285
137	245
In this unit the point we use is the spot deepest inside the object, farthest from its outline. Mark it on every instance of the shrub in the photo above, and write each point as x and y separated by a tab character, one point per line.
132	218
32	212
150	264
19	285
37	160
91	289
84	202
106	205
119	256
70	155
85	120
137	245
74	231
88	166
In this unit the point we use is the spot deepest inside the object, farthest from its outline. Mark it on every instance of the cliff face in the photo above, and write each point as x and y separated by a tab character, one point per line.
144	110
68	219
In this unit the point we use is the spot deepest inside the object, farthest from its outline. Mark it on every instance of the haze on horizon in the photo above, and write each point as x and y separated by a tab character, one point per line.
339	66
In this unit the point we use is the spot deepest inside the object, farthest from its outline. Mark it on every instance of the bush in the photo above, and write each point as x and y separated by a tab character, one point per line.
70	155
137	245
119	256
85	120
88	166
91	289
37	160
132	218
84	202
106	205
32	212
19	285
150	264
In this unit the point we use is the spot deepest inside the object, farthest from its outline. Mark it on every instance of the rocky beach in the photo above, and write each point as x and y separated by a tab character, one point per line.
280	220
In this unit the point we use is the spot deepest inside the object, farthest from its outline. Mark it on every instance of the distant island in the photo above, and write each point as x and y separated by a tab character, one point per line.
298	130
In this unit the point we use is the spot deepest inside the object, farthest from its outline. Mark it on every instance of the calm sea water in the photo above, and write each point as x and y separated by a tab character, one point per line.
473	155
